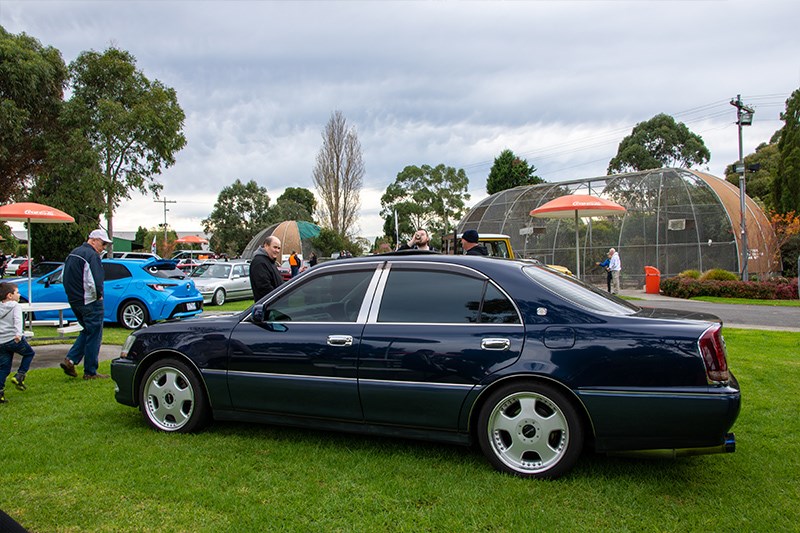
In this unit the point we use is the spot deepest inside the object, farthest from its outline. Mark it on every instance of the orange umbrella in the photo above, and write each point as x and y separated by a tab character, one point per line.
29	213
578	205
192	239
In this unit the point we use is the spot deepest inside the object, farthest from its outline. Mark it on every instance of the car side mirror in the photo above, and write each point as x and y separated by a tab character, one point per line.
258	314
47	284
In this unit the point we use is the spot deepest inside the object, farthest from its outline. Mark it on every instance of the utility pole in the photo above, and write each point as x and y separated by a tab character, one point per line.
744	117
165	202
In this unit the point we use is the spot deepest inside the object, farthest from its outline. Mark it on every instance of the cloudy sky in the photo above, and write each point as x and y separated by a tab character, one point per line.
558	82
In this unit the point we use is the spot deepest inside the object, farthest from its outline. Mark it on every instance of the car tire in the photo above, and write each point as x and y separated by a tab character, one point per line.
133	315
172	398
530	430
219	297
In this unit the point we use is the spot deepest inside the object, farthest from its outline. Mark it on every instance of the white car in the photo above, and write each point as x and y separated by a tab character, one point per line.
13	265
220	281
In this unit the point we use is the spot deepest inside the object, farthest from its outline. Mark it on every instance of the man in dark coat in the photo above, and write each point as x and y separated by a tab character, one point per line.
469	241
264	274
83	282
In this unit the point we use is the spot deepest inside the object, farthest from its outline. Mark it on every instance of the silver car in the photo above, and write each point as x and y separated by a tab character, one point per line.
220	281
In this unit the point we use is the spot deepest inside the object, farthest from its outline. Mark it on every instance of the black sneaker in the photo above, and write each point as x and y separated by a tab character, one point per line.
3	396
19	381
69	368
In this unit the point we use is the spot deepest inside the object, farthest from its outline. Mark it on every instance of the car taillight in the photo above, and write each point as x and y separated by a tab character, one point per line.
157	286
712	348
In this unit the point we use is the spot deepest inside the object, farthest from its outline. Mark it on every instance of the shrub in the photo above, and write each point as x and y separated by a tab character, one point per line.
684	287
719	275
693	274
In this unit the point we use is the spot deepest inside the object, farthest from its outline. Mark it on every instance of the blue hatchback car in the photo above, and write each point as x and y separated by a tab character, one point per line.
135	292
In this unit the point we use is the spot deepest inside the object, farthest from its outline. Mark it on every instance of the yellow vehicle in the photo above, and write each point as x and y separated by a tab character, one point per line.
499	245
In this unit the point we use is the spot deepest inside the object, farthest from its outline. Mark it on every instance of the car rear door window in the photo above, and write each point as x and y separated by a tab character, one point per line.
114	271
439	297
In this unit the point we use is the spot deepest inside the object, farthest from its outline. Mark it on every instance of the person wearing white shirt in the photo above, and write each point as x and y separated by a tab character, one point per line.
614	266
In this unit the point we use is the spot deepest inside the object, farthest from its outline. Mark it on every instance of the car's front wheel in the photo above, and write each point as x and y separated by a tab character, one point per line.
219	297
133	315
171	397
530	430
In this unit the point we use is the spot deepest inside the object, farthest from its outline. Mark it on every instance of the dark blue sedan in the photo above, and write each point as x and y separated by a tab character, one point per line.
530	364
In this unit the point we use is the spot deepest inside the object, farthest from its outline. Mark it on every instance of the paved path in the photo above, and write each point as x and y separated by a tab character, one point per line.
768	317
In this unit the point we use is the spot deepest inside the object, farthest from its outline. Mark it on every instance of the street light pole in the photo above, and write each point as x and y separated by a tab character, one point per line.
744	117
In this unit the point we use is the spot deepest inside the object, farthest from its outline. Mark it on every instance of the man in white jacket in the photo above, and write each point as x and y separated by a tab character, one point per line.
615	265
11	339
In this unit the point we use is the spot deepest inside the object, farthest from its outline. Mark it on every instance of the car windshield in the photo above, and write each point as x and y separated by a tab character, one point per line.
212	271
579	293
43	268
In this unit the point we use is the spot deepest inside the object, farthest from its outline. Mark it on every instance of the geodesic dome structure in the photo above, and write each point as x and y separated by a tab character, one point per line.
677	219
294	235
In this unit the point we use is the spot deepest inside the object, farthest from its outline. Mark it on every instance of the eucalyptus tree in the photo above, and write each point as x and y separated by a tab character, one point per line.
656	143
32	82
428	197
135	125
241	211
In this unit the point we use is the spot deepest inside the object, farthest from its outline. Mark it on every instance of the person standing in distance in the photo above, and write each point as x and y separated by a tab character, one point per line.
469	242
614	265
83	282
264	274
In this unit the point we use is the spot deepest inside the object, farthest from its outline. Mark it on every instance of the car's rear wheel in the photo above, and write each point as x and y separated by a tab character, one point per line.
133	315
219	297
530	430
171	397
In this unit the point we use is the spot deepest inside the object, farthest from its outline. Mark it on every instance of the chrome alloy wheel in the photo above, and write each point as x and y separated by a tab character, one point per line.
169	399
528	432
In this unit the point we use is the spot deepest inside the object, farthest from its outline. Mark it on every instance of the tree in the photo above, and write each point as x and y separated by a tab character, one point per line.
133	124
302	196
429	197
786	186
329	242
241	211
509	171
659	142
32	81
759	182
787	239
338	175
288	210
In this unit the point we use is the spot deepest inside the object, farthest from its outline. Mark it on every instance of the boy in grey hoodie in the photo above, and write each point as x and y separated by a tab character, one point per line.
11	339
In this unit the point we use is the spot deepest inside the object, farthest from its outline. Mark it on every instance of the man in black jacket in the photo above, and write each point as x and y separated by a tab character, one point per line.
264	274
469	242
83	282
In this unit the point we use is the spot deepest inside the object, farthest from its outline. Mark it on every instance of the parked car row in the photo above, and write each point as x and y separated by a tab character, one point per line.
531	365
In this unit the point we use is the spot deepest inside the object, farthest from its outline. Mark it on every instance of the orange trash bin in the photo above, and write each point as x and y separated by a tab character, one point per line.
652	280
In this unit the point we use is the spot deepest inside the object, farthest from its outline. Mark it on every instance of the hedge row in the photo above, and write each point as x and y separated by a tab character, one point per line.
684	287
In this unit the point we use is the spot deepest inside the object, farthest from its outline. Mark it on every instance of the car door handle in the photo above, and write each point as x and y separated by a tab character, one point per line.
340	340
495	344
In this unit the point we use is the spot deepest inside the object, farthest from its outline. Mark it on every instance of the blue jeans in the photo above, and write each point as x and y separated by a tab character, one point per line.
7	351
87	345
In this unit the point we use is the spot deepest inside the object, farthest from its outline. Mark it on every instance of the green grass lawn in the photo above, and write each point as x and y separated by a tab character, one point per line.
75	460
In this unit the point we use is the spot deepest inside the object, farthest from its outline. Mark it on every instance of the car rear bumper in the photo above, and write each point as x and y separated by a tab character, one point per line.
671	419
